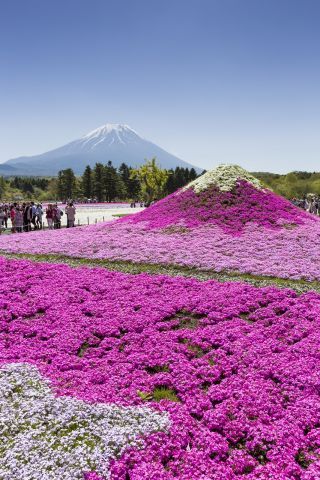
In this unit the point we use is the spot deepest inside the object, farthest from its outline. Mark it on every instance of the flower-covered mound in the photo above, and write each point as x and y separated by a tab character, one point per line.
235	367
224	177
231	210
229	226
44	437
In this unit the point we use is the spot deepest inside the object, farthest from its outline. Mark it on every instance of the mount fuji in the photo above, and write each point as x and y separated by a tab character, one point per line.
115	142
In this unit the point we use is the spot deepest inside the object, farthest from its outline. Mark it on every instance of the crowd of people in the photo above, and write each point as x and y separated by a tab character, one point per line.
30	216
310	203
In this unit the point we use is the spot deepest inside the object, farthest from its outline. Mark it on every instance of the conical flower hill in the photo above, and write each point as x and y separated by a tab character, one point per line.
227	196
225	221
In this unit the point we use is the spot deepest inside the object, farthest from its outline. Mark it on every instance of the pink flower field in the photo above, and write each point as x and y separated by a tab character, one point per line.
235	368
246	229
114	376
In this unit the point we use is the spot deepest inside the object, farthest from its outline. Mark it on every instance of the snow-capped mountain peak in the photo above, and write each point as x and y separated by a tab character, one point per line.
109	134
112	141
109	128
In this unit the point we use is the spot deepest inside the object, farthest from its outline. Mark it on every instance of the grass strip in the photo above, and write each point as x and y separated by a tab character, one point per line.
300	286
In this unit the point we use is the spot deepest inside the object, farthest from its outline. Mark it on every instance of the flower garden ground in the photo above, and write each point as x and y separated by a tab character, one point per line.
225	373
233	226
299	285
235	367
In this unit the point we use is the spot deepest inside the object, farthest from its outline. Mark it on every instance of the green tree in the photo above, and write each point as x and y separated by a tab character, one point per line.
171	182
179	178
192	175
124	172
152	180
66	184
98	182
3	187
110	182
133	186
121	188
26	186
86	182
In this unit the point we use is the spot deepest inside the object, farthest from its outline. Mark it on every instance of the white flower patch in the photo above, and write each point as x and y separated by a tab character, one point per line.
224	177
43	437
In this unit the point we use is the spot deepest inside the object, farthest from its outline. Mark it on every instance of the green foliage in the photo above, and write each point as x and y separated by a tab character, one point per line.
149	182
152	179
165	393
162	392
98	182
103	182
66	185
3	187
82	349
130	182
293	184
28	184
112	182
86	182
107	183
145	396
179	178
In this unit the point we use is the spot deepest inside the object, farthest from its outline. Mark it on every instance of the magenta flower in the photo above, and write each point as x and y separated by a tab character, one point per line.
235	367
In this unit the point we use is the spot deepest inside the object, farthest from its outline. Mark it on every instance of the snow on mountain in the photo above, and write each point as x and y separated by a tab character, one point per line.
116	142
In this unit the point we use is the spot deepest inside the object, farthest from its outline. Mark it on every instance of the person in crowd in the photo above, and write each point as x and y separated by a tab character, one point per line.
19	219
27	216
33	215
12	217
71	214
39	213
49	216
57	214
5	218
1	219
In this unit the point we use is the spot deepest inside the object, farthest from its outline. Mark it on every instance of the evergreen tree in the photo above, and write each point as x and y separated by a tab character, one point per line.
66	184
134	186
26	186
130	182
86	183
180	177
171	182
15	183
98	182
192	174
3	186
110	181
124	172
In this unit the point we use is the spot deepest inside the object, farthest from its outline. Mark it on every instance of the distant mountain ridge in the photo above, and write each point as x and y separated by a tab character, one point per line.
116	142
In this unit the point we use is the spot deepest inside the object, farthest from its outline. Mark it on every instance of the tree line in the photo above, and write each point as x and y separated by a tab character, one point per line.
103	182
28	184
293	184
107	183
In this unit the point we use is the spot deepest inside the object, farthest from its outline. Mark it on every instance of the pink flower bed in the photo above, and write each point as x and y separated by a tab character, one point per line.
241	364
249	231
230	210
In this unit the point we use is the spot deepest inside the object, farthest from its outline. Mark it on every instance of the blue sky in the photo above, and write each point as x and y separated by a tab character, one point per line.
210	81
